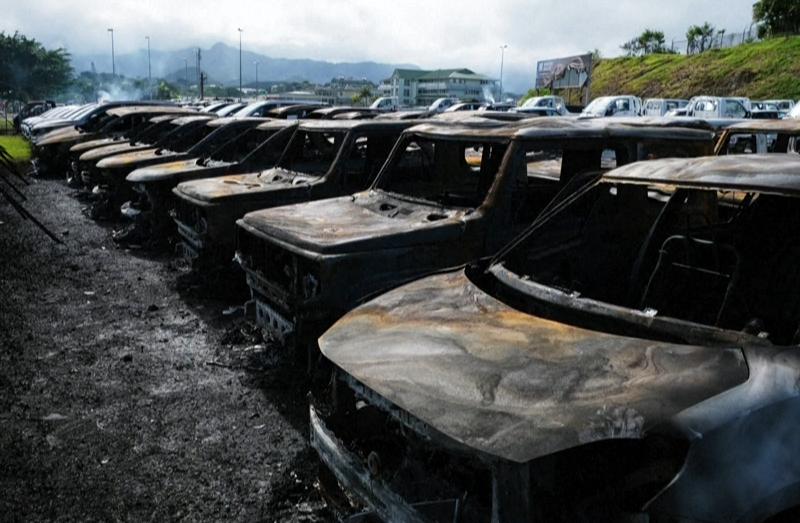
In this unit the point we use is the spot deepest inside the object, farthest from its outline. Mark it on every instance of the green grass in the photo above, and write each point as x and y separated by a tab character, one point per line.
761	70
17	147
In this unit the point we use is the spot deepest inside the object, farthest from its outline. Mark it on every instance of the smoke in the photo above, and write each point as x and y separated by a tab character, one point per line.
487	94
119	92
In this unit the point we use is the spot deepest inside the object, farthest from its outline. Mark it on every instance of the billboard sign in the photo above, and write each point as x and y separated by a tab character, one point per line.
564	73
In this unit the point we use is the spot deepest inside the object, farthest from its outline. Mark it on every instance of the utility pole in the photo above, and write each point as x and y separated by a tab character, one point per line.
240	63
199	73
502	56
149	76
113	65
186	73
256	62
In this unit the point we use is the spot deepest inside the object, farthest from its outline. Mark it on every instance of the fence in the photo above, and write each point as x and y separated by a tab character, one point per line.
719	40
8	110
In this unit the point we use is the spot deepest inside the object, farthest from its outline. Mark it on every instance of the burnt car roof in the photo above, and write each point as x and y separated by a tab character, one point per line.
787	125
292	109
152	109
775	173
219	122
276	124
557	128
163	118
326	111
195	118
346	125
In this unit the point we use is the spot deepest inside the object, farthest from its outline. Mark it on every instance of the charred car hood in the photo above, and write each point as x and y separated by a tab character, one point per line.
91	144
361	222
172	171
127	160
110	150
244	187
62	136
513	385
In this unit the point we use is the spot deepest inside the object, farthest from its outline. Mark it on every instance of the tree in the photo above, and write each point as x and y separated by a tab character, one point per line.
776	17
364	95
649	42
166	91
28	70
699	38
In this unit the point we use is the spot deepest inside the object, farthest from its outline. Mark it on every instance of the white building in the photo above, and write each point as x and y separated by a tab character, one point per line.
418	87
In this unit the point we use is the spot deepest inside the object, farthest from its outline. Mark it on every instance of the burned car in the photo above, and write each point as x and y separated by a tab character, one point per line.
632	356
51	150
760	136
449	194
324	158
84	159
237	147
108	174
129	121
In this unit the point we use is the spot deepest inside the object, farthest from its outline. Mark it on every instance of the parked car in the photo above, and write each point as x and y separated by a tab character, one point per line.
718	107
662	106
500	106
615	106
60	112
237	147
544	106
441	104
466	106
765	114
386	103
328	113
448	195
783	106
760	136
32	108
84	158
51	151
230	110
295	111
108	174
632	356
324	158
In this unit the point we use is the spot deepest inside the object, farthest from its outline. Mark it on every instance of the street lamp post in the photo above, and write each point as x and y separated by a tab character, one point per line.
502	57
113	65
256	63
149	76
240	63
186	73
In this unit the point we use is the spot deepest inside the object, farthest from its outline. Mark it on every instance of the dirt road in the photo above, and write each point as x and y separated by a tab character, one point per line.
126	394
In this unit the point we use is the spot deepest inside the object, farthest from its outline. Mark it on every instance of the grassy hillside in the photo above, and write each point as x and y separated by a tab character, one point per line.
769	69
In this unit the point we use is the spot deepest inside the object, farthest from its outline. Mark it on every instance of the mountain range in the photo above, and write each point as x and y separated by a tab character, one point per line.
221	63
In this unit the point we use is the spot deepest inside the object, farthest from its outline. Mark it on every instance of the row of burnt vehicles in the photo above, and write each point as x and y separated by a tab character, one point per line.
531	320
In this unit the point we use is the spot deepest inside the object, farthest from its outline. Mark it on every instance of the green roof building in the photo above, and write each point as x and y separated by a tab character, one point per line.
419	87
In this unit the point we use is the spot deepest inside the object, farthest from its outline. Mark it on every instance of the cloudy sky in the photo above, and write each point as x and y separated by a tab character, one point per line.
429	33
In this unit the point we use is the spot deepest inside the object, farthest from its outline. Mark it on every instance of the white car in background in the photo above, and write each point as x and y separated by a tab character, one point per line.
662	106
537	103
710	107
613	106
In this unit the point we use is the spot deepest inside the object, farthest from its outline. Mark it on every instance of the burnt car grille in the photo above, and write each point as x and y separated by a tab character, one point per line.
190	215
273	266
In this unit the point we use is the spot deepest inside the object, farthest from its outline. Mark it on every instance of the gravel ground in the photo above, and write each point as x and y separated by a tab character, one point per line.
126	393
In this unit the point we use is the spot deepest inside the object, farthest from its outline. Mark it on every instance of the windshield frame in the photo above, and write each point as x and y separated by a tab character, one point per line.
595	314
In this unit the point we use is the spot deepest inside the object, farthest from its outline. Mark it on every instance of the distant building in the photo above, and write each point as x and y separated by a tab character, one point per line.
419	87
340	91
